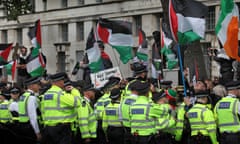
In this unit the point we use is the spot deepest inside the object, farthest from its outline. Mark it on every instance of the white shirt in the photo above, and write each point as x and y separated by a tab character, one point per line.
13	106
32	106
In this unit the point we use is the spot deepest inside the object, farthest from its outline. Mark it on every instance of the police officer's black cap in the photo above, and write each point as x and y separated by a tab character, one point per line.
67	82
5	93
140	86
112	81
201	94
166	84
32	80
115	93
233	85
139	68
158	95
58	76
130	79
2	84
79	83
15	90
89	87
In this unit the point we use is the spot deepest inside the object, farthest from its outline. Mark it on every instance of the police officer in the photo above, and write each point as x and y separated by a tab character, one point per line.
15	93
112	123
102	102
166	122
125	107
58	112
28	108
69	88
140	72
227	112
143	114
202	122
5	119
86	116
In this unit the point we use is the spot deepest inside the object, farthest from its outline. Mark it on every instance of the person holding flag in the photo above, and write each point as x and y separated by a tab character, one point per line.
21	66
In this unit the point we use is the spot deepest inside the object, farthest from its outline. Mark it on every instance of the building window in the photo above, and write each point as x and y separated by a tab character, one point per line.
64	3
81	2
80	31
210	20
64	32
4	36
61	62
44	5
19	36
137	23
32	2
99	1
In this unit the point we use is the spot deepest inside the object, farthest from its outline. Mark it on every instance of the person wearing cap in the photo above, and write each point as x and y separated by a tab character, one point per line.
166	122
59	110
69	88
86	116
5	119
143	114
202	121
15	93
140	72
125	107
227	112
102	102
166	84
171	95
28	110
112	123
113	82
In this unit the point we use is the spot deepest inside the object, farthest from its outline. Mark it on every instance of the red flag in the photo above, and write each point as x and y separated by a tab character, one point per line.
13	69
5	53
173	21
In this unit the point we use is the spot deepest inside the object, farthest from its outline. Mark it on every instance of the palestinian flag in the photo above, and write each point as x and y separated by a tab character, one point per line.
11	68
171	60
36	39
5	51
118	34
165	41
227	28
36	66
93	53
186	19
142	52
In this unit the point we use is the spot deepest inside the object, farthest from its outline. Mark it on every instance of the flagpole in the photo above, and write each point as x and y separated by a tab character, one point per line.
181	69
96	38
118	63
